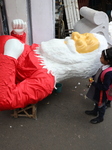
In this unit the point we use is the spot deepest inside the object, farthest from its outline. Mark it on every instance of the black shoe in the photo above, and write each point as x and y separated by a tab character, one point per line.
96	120
91	112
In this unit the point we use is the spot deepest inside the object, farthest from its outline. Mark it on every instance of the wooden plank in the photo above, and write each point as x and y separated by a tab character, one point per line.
72	12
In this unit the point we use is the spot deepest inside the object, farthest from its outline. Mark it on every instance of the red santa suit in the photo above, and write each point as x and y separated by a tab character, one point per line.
23	81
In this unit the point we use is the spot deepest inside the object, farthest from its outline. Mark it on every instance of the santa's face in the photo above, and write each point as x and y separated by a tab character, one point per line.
67	58
85	42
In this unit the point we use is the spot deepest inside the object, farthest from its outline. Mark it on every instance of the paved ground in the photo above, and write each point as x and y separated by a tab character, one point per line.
61	124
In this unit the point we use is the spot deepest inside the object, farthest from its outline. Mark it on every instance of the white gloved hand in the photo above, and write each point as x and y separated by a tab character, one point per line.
19	26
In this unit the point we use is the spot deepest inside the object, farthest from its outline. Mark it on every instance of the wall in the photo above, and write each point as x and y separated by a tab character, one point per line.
42	17
16	9
42	20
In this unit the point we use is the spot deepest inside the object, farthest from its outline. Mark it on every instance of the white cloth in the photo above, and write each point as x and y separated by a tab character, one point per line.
105	67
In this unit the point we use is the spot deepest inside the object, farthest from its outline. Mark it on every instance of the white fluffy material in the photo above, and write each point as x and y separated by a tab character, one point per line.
65	62
110	29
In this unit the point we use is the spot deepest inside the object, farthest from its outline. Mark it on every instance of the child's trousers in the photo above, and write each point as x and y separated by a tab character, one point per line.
100	110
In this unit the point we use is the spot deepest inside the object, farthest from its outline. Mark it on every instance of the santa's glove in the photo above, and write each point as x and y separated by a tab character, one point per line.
19	26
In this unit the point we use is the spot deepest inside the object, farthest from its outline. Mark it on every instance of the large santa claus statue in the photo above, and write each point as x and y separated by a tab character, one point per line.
28	73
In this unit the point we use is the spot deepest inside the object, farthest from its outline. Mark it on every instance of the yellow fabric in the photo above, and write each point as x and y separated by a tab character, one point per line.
85	42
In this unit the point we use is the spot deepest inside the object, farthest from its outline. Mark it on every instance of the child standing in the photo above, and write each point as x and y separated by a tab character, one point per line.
97	91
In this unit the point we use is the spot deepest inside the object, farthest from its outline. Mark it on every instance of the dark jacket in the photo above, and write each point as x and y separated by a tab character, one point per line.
99	86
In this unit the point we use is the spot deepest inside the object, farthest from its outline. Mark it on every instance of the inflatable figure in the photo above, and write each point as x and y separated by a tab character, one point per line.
29	73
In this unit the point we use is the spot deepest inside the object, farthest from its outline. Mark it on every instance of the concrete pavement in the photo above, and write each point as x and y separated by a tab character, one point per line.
61	124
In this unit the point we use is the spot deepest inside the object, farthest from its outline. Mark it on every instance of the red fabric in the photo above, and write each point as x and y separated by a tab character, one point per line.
102	78
22	81
20	37
101	95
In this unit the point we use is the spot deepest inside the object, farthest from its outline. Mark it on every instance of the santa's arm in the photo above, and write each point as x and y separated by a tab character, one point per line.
18	31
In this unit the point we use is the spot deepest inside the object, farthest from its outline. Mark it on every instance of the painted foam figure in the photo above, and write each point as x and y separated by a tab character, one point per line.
23	80
29	73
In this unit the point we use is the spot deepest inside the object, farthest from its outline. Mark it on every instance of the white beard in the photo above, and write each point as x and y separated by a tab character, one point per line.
65	62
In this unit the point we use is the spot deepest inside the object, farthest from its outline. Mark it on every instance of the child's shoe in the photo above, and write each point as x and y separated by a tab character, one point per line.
96	120
91	112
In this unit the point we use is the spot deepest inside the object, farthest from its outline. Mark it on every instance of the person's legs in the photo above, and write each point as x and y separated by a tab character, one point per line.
93	112
29	91
100	117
